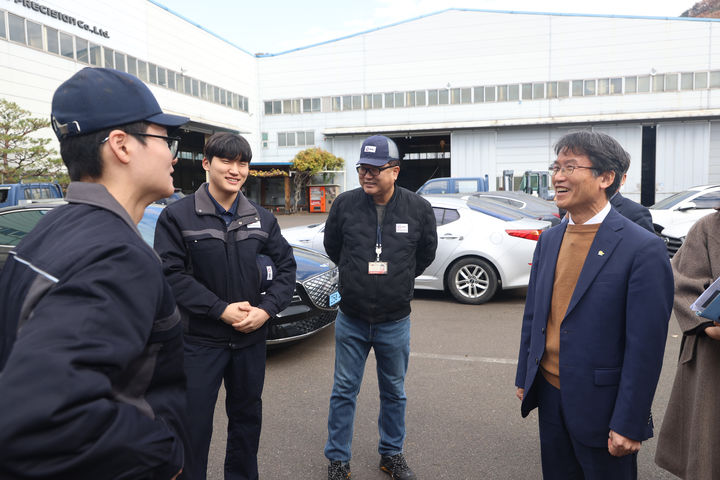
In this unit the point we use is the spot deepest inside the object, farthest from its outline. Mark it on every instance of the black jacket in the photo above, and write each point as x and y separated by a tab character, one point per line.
409	240
91	354
633	211
210	265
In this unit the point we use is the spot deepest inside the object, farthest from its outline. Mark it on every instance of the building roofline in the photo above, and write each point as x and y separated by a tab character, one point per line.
478	10
160	5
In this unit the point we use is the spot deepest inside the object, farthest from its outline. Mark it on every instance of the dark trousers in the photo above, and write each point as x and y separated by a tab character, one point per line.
563	457
243	371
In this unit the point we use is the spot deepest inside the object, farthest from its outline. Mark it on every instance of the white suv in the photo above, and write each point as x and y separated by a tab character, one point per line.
673	216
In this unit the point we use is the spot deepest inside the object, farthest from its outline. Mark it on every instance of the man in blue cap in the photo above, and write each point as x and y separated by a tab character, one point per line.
382	236
91	352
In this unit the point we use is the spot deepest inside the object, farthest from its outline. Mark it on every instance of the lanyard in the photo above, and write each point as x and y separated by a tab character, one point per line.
378	244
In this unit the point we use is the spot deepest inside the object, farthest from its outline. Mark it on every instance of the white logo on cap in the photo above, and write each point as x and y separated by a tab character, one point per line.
370	148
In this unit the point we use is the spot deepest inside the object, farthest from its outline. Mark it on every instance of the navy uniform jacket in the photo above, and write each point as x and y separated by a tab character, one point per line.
210	265
91	355
612	337
633	210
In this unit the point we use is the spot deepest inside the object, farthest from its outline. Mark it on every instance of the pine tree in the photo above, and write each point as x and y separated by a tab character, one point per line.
23	154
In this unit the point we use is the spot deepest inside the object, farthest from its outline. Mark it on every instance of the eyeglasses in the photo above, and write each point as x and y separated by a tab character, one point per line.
172	142
567	170
373	171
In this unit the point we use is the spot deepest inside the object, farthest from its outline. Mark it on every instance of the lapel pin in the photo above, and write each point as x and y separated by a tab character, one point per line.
601	253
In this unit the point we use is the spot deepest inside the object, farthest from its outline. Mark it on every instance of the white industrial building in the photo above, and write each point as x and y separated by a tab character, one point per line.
463	92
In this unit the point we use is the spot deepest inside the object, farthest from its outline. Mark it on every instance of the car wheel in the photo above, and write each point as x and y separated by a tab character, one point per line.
472	280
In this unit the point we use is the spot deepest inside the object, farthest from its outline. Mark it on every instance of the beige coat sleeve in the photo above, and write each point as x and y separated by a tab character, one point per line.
692	270
695	266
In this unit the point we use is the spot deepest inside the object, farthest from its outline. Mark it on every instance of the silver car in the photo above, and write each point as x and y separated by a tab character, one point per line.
480	248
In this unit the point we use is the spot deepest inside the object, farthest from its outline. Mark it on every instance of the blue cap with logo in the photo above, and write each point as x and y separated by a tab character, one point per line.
97	98
378	150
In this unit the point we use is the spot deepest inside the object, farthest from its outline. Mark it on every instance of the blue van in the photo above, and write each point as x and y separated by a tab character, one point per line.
442	185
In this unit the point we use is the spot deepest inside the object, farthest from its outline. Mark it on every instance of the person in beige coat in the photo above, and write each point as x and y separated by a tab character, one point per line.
690	433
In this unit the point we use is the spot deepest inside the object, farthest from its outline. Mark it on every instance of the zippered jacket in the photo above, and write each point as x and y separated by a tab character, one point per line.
91	354
409	240
210	265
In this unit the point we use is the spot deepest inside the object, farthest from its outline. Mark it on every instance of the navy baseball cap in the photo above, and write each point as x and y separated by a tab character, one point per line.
378	150
98	98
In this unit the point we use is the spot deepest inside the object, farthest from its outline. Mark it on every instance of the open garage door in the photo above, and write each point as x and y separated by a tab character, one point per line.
424	157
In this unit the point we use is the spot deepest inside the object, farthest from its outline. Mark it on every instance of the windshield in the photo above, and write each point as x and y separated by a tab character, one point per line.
672	200
494	209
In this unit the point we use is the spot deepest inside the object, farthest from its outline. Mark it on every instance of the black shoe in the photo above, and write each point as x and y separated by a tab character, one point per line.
338	470
396	467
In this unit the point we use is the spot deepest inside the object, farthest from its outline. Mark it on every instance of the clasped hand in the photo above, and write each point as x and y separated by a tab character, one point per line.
243	317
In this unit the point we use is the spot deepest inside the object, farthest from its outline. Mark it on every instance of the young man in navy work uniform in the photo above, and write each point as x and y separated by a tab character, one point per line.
382	237
91	379
209	243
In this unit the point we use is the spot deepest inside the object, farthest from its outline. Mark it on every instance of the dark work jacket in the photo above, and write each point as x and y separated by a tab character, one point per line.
210	265
633	211
91	354
409	240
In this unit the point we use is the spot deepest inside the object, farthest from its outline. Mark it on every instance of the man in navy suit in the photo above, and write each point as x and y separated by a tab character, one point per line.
595	321
633	211
629	209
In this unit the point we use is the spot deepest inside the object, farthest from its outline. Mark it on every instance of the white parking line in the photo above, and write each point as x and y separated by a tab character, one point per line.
464	358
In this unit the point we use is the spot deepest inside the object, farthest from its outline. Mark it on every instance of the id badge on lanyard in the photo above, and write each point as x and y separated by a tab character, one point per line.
377	267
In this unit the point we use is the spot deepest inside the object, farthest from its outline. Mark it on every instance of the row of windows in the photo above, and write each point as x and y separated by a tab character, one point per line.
663	82
35	35
292	139
295	105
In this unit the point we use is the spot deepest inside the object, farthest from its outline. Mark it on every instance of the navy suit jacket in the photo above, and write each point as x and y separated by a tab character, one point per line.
633	210
612	337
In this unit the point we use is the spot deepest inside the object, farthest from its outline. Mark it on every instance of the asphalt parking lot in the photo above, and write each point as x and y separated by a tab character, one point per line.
463	420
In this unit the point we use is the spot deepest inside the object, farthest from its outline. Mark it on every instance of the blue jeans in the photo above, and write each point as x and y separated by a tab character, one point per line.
353	340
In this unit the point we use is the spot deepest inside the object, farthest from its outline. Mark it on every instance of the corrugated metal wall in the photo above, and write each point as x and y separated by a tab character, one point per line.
682	157
473	154
714	160
479	152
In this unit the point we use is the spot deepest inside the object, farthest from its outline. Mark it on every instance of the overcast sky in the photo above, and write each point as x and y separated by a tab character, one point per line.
274	26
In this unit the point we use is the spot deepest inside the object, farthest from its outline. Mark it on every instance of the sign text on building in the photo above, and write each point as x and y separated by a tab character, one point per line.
63	17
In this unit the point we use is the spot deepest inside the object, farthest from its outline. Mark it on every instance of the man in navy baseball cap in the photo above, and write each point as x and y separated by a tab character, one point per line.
85	306
99	115
381	236
377	154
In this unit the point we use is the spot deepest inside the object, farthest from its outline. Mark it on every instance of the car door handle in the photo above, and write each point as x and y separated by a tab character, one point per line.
451	237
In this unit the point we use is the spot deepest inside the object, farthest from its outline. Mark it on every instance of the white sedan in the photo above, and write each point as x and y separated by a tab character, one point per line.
685	207
481	247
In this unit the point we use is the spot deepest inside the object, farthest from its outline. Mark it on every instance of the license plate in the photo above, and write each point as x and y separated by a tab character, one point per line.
334	298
